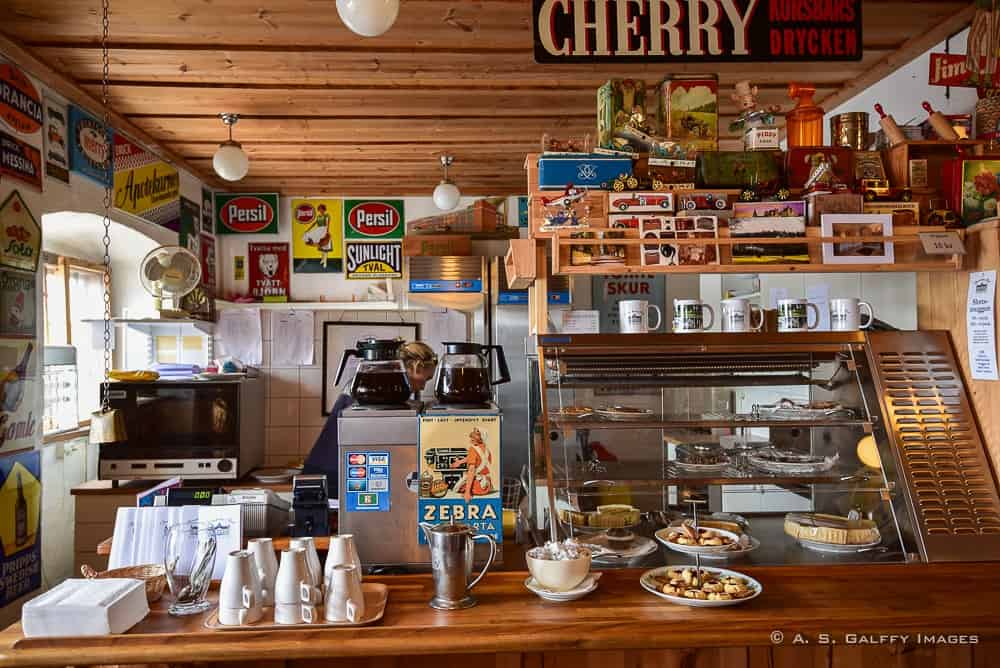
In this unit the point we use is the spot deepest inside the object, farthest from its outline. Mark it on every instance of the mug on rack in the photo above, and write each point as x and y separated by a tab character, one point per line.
239	602
793	315
845	314
633	316
689	316
738	316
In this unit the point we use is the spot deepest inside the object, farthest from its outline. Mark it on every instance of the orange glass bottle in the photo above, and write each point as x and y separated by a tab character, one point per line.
804	122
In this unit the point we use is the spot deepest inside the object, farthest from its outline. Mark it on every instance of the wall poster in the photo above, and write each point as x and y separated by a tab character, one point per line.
17	304
21	526
207	212
146	186
56	150
317	235
88	146
373	219
269	275
190	225
367	260
207	253
20	388
653	31
459	458
20	235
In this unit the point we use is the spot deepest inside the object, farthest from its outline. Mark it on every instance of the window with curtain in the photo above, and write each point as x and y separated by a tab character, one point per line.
74	294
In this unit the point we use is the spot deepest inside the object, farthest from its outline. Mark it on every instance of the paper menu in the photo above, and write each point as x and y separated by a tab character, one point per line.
240	335
981	325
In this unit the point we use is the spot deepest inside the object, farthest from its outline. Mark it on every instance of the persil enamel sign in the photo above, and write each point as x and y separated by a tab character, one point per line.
661	31
373	219
246	213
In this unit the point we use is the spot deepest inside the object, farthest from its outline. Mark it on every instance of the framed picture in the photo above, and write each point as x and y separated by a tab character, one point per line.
341	336
848	225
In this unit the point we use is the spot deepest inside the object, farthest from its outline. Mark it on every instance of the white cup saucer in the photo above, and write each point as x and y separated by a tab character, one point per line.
588	585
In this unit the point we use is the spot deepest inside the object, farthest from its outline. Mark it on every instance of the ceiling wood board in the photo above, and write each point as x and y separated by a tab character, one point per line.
324	108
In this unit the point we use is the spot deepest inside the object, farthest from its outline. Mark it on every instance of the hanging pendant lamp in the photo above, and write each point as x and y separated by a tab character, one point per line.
368	18
229	161
446	193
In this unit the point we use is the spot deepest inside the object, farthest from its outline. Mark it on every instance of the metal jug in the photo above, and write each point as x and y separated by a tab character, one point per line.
451	562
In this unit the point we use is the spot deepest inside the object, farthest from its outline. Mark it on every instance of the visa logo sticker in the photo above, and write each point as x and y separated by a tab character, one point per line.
378	460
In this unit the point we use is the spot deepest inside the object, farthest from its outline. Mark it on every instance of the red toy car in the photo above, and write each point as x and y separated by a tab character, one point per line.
665	201
694	201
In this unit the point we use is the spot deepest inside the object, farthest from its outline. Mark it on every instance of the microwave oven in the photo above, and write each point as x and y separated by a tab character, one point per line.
192	429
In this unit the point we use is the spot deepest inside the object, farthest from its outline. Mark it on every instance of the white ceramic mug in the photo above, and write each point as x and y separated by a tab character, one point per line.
738	316
845	314
342	552
793	315
267	566
633	316
294	584
308	544
295	613
238	601
689	316
345	601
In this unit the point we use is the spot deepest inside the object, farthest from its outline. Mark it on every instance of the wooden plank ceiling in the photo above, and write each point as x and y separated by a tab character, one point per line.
326	111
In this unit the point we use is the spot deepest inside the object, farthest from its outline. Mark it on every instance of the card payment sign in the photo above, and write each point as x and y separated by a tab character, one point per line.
367	482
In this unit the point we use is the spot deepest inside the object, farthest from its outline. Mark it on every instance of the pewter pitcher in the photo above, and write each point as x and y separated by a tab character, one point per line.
451	548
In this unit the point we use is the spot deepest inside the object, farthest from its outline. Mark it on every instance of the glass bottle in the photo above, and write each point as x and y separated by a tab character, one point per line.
804	122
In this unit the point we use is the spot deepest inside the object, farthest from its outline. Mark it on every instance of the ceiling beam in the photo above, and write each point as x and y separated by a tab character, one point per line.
75	94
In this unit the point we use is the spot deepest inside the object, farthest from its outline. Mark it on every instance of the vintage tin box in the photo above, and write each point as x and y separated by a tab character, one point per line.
799	162
590	170
615	101
688	111
735	169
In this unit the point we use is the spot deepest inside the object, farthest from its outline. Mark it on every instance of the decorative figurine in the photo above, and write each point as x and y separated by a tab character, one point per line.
822	178
565	216
751	113
566	198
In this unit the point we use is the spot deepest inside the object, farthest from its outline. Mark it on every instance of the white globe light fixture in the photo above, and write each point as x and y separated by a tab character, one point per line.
446	194
368	18
229	161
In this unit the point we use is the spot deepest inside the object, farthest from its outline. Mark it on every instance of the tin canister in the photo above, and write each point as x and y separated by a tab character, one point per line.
850	130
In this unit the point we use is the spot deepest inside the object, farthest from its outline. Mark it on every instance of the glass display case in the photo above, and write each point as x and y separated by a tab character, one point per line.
762	448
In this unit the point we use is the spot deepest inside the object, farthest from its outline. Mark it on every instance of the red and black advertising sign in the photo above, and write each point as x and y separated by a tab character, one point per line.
952	69
269	271
664	31
20	101
20	161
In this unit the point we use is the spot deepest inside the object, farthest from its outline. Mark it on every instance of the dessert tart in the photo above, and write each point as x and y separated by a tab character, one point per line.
690	539
833	530
614	516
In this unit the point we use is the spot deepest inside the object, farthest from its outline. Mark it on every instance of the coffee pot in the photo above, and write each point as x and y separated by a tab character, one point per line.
380	378
464	373
451	548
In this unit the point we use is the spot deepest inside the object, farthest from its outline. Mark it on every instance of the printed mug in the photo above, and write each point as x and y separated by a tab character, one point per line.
689	316
793	315
738	316
845	314
633	316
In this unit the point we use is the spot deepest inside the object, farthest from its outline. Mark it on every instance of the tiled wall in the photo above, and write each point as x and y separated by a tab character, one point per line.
294	416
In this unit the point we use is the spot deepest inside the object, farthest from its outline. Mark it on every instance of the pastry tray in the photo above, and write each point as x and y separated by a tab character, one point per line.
376	595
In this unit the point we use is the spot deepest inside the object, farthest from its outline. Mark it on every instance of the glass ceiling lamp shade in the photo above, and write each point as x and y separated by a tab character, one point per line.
446	194
229	161
368	18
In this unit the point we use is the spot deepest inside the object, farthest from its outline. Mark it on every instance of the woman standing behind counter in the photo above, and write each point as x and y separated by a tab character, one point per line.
420	362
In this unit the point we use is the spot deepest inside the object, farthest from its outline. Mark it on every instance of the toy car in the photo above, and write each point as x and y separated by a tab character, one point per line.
625	182
874	189
940	214
567	197
664	201
694	201
619	223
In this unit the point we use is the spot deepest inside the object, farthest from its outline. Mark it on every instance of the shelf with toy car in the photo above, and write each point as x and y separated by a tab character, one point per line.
566	255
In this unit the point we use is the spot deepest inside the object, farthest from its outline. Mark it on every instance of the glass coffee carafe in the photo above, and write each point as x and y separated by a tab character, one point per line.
464	373
380	378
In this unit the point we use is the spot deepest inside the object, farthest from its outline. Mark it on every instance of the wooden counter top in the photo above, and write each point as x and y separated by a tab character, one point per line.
872	599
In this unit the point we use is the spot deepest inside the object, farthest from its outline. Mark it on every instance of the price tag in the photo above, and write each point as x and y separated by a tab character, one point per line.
942	243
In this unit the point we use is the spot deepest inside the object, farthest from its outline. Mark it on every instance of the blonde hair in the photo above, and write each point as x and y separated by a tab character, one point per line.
417	355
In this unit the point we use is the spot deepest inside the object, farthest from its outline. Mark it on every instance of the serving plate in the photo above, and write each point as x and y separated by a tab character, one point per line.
219	376
836	548
662	534
740	550
647	583
274	476
623	413
771	460
588	585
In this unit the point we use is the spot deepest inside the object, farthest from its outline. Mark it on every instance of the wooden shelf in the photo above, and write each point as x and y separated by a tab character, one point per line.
314	306
667	422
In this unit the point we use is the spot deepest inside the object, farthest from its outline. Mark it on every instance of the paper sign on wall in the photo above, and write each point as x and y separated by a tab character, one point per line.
981	325
317	235
56	149
89	142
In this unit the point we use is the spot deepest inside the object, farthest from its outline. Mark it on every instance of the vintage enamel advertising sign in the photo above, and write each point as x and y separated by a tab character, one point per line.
317	235
20	525
696	30
269	276
373	219
207	212
20	101
20	426
207	250
190	225
20	161
952	69
88	146
459	477
20	235
373	259
56	150
145	186
246	213
17	304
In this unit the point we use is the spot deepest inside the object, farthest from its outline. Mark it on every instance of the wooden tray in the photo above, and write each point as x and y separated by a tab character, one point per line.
376	595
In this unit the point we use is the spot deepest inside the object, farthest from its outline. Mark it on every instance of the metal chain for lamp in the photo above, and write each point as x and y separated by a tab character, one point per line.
105	101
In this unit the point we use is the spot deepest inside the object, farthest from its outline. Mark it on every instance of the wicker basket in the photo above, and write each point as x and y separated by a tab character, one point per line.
154	576
987	116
